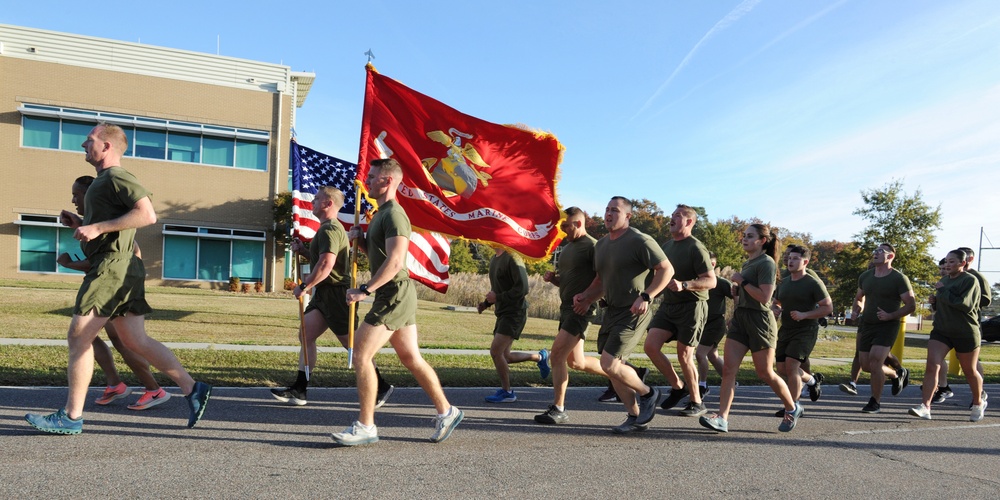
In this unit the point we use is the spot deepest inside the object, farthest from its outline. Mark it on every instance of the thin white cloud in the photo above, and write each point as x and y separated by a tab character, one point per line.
734	15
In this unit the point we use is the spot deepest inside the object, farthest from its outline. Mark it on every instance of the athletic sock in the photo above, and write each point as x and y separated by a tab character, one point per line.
812	381
560	408
702	384
300	381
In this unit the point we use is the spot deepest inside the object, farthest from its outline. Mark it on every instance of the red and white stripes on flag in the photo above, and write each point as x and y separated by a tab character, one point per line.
427	260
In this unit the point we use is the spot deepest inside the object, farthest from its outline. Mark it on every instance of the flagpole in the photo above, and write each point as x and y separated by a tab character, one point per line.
302	318
354	276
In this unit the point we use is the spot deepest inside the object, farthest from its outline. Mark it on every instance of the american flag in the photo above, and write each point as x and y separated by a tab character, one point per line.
427	261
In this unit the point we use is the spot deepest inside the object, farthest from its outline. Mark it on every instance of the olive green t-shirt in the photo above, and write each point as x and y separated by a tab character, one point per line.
717	297
623	265
985	291
958	305
575	268
331	238
690	259
509	281
390	221
882	293
757	271
799	295
113	193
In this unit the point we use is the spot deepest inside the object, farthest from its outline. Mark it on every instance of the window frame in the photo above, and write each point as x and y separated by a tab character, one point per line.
217	234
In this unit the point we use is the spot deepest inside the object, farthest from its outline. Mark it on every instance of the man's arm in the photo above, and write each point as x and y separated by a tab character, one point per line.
593	293
141	215
323	267
662	274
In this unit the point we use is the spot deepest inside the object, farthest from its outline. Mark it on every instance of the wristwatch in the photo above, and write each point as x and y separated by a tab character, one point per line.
645	297
364	289
684	285
302	287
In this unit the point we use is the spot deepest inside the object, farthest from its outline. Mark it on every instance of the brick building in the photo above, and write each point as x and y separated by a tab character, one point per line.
208	135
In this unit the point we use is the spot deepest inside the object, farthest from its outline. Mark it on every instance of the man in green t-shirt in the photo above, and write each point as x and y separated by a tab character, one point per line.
393	315
509	292
801	300
328	280
114	288
623	260
683	312
574	273
888	299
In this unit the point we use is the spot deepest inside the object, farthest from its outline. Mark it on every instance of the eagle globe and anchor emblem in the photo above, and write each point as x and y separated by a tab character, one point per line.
453	173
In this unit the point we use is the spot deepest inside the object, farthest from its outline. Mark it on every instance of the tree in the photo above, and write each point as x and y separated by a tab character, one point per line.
721	238
905	222
848	264
460	260
824	258
281	211
649	218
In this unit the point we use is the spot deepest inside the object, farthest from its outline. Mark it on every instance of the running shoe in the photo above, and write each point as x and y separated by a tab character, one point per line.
647	406
356	434
552	416
59	422
901	381
791	418
290	395
642	373
921	411
501	396
704	391
850	388
383	395
939	396
444	425
977	412
114	393
781	412
872	406
815	391
715	422
198	401
543	364
629	425
946	390
609	396
693	410
675	396
150	399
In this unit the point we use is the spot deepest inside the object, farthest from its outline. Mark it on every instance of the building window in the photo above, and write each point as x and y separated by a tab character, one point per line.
51	127
41	238
212	254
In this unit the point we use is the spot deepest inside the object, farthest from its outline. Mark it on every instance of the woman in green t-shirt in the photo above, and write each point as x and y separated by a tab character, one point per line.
956	326
754	328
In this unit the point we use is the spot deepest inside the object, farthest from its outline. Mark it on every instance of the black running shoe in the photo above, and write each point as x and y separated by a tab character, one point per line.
675	396
552	416
290	395
609	396
872	406
815	391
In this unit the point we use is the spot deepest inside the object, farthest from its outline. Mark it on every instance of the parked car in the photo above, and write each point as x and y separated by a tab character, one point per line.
991	329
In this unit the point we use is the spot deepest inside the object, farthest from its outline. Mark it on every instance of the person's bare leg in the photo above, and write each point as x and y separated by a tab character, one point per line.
132	331
135	362
404	341
80	367
106	360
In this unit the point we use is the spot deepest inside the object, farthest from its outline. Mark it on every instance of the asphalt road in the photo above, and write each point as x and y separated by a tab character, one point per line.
250	446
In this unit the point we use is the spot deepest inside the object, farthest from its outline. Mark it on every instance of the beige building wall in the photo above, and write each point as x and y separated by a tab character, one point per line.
37	181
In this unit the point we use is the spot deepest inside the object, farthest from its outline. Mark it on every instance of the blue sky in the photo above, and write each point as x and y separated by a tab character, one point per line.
783	110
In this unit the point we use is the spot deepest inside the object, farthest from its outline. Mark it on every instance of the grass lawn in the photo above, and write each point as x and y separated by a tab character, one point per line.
42	311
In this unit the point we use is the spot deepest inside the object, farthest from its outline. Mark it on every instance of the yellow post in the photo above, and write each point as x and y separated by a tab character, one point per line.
354	277
897	348
954	367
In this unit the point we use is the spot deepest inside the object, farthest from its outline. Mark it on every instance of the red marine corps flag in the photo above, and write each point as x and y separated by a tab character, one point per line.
463	176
